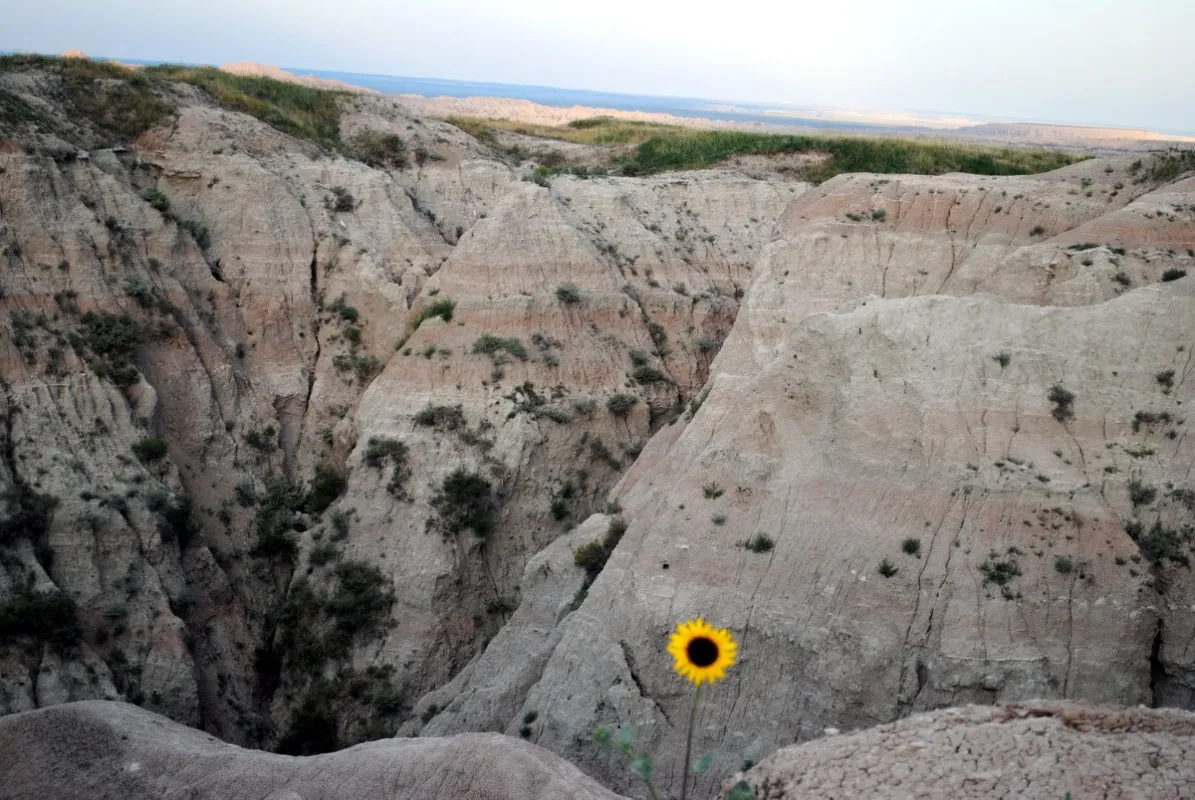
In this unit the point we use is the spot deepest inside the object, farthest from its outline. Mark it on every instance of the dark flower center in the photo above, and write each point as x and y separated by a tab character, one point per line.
702	651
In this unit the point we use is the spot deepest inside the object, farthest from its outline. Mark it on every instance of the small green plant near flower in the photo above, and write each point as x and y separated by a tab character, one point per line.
701	654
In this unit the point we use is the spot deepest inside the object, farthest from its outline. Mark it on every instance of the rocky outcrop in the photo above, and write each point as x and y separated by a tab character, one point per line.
114	750
1009	750
298	448
205	320
962	496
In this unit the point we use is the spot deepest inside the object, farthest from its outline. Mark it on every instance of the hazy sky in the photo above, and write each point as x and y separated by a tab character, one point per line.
1085	61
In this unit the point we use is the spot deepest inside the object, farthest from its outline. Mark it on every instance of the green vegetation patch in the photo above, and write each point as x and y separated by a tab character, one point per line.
466	501
40	617
27	513
300	111
660	148
697	149
489	344
108	342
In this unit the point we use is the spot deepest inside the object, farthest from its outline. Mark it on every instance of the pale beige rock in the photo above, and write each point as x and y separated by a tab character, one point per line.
114	750
250	348
1031	750
849	412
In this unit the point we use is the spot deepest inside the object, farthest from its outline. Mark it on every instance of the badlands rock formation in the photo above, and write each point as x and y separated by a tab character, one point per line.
298	449
256	303
1045	750
903	393
114	751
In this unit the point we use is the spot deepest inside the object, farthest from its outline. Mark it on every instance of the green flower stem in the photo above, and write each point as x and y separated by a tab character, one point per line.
684	778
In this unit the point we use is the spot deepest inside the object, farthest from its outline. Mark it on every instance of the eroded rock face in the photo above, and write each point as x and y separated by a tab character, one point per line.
114	750
310	444
1036	749
877	388
200	323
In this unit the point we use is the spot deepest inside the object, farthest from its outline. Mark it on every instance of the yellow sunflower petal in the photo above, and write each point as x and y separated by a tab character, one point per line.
702	653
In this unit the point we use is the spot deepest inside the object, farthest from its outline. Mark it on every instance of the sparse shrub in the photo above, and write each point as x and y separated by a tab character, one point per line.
465	501
27	513
562	499
659	336
326	485
377	149
323	553
887	568
245	494
344	310
1140	493
646	375
262	440
598	449
1063	401
275	518
175	512
568	293
911	546
594	555
500	605
1123	279
340	525
639	358
43	617
198	231
557	415
442	308
1037	230
621	404
149	449
444	418
381	449
1173	274
361	602
879	214
712	491
1149	418
1000	571
1165	378
762	543
718	519
489	344
1160	542
159	201
342	199
139	290
111	341
1063	565
1003	358
365	367
591	555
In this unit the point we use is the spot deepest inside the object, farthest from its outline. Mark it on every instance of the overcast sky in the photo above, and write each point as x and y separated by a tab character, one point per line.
1111	62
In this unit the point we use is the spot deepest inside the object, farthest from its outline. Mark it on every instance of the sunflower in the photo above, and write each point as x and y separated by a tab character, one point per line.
702	652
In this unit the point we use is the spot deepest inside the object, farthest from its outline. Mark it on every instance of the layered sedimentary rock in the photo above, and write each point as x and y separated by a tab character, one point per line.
954	409
300	449
199	324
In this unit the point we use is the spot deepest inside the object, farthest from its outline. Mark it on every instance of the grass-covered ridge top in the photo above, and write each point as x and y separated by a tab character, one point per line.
124	102
660	148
